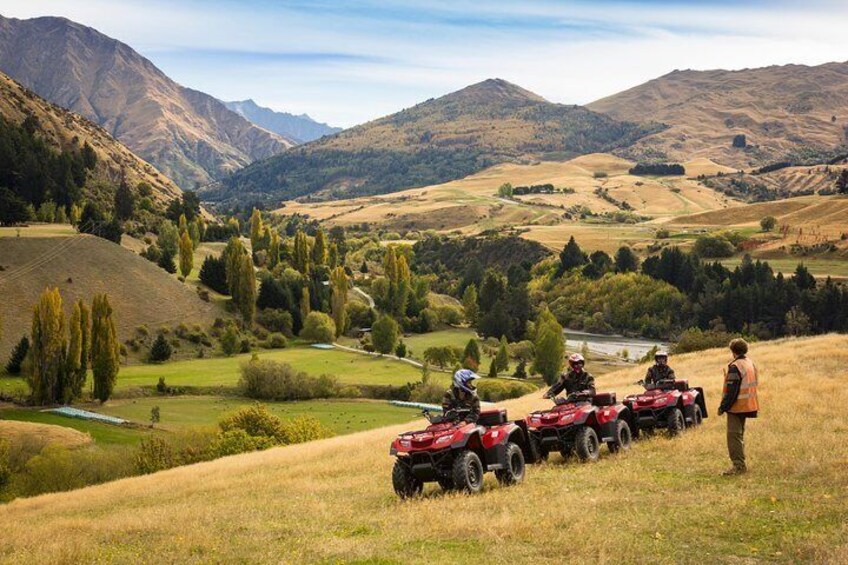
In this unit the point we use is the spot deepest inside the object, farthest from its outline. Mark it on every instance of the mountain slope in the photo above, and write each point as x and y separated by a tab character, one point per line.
188	135
436	141
784	111
331	501
64	130
296	128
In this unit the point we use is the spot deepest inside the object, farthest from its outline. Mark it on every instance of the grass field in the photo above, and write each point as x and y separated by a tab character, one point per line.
341	416
101	433
331	501
14	430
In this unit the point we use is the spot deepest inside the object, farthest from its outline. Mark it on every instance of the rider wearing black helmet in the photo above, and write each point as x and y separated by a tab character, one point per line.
462	396
660	370
575	381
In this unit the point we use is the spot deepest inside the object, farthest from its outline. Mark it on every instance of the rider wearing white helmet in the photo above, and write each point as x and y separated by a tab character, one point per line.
575	381
462	397
660	370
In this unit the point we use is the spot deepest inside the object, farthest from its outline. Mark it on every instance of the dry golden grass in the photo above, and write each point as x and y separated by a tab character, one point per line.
331	501
47	433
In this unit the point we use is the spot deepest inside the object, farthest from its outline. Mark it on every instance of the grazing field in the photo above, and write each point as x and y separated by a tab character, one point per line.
662	502
81	266
341	416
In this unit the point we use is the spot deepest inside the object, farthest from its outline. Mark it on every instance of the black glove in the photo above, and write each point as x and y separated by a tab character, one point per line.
720	410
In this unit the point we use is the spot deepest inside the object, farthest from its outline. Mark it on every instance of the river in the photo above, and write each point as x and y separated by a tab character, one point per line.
611	344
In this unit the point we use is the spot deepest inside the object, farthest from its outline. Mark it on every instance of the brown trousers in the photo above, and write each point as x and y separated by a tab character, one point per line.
736	440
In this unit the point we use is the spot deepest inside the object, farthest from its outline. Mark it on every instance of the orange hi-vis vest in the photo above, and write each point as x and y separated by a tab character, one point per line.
747	399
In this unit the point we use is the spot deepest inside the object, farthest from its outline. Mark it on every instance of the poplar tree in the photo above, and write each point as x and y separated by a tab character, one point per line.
502	358
319	249
304	303
183	224
232	261
73	359
247	290
48	347
186	254
300	255
194	233
78	379
469	304
256	230
274	250
105	352
333	256
338	301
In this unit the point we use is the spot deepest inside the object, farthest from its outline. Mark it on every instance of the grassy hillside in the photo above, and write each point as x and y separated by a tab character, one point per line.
433	142
81	266
784	111
65	130
331	501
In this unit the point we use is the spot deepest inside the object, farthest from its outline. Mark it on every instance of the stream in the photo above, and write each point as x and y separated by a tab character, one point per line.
611	344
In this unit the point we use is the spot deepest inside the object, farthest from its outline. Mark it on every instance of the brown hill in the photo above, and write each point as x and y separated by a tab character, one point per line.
439	140
784	111
188	135
81	266
63	129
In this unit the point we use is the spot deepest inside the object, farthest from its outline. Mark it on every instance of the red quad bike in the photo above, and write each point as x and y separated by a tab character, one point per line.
456	454
669	404
578	424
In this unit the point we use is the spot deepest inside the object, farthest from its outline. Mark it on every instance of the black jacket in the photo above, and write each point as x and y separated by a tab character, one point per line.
658	373
458	401
572	382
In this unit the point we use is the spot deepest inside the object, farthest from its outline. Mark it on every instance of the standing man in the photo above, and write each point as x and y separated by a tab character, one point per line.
739	401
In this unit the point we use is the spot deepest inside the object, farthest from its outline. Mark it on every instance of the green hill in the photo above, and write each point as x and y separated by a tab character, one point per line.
436	141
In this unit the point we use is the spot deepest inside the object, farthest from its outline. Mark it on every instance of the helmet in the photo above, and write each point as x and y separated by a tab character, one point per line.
576	359
464	380
661	353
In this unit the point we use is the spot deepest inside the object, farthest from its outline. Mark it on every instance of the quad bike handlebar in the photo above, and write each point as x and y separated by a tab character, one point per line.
449	416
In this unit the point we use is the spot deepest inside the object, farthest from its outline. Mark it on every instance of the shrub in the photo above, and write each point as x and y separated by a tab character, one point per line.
302	429
451	315
713	247
768	223
276	341
443	356
662	233
384	334
276	320
270	380
400	350
318	328
57	468
161	350
600	175
429	393
230	339
237	441
495	391
154	454
254	420
696	339
359	314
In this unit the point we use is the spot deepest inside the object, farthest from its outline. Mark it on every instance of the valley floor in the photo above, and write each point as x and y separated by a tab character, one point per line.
331	501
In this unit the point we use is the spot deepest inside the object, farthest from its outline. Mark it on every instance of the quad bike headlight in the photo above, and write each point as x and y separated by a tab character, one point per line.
405	443
443	439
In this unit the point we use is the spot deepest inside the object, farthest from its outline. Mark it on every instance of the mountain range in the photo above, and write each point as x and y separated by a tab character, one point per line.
190	136
438	140
300	129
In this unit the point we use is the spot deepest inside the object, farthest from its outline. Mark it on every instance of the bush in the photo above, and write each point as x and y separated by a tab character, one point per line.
400	350
230	339
495	391
318	328
57	469
359	314
276	341
302	429
713	247
270	380
276	320
768	223
443	356
233	442
254	420
384	334
451	315
696	339
429	393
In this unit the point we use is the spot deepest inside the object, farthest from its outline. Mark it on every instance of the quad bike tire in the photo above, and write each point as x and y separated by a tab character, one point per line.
513	472
675	424
586	444
468	473
406	485
446	483
536	451
623	437
697	416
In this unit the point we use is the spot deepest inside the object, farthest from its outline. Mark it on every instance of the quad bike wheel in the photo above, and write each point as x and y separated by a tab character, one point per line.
586	444
446	483
675	424
404	482
514	471
538	453
697	416
623	437
468	472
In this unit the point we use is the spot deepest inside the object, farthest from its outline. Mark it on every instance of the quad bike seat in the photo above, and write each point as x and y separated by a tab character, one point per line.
604	399
494	417
682	385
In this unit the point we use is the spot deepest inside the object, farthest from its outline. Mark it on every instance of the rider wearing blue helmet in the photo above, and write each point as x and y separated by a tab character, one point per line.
462	397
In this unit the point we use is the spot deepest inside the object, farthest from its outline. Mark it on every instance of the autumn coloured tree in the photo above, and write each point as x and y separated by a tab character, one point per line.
79	344
48	347
105	351
247	290
256	229
319	249
186	254
300	254
338	299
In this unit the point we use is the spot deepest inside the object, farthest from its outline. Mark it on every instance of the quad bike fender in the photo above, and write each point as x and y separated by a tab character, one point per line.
701	401
585	418
607	430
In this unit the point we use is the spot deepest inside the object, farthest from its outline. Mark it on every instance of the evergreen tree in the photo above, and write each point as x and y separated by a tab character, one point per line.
213	273
493	371
105	351
549	345
625	260
339	286
166	261
492	290
169	237
247	291
571	257
161	350
186	254
124	200
339	239
842	182
319	249
502	358
16	359
469	304
363	268
472	352
48	347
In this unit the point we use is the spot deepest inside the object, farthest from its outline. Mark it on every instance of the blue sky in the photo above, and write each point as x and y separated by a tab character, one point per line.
348	62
